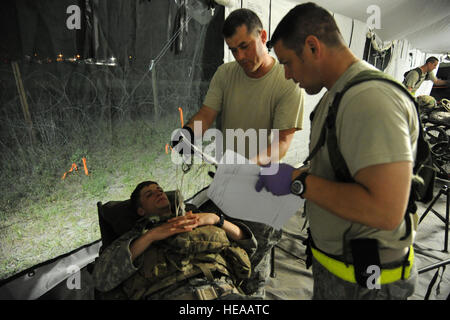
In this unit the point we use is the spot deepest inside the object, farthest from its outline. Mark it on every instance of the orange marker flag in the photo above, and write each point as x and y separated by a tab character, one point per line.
182	125
74	166
181	117
85	167
167	148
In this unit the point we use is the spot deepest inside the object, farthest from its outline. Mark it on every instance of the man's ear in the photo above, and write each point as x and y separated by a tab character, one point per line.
141	212
263	36
312	43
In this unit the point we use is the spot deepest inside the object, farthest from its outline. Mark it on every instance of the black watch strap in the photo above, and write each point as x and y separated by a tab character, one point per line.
302	178
221	220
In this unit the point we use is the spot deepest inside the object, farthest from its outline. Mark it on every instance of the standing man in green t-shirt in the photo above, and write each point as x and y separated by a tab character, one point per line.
415	77
360	221
252	94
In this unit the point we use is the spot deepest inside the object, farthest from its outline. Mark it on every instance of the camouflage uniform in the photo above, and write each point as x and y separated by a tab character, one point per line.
175	268
426	103
266	237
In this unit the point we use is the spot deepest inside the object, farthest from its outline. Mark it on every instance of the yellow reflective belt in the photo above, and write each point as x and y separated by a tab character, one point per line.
347	272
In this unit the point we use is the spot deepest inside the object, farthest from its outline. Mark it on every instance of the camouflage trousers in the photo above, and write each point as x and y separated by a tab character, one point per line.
329	287
266	237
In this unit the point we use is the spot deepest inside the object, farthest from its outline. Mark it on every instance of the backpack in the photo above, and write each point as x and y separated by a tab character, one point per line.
418	70
423	172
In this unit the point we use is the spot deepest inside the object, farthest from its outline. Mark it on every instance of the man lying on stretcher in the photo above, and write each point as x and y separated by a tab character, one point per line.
195	256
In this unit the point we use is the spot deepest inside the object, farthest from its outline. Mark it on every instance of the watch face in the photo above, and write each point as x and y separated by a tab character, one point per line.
296	187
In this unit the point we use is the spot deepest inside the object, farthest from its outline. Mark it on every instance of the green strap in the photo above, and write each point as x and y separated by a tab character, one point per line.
328	133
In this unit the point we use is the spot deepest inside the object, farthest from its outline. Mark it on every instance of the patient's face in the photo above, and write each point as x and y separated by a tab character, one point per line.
153	201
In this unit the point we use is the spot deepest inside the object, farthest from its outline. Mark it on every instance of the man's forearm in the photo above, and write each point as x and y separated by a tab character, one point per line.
206	116
381	203
267	156
349	201
138	246
277	150
440	82
233	231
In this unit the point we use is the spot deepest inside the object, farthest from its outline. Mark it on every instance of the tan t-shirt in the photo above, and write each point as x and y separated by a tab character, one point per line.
269	102
414	80
376	123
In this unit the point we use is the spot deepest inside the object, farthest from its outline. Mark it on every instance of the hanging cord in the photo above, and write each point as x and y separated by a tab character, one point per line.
372	37
179	188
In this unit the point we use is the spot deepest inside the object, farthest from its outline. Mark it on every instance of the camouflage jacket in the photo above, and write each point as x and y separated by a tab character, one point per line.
114	266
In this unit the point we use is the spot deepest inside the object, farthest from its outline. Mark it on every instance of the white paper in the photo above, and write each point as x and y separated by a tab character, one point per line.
233	191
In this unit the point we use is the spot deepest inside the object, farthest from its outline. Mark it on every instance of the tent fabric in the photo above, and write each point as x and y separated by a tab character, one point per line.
41	279
426	25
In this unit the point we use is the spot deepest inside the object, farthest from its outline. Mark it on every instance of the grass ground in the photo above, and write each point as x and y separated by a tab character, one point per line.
43	216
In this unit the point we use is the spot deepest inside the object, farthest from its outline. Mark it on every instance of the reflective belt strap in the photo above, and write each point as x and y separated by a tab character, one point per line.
347	272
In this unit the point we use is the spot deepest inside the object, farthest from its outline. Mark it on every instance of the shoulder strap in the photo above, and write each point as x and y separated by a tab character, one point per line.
337	161
419	71
328	133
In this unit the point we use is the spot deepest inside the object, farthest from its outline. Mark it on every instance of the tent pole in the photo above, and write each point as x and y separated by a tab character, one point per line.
23	101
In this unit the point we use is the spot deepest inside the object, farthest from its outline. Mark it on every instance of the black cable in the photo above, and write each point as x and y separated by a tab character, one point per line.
351	34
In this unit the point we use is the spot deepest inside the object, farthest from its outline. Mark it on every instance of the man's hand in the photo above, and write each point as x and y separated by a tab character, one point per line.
280	183
173	226
168	229
197	219
202	219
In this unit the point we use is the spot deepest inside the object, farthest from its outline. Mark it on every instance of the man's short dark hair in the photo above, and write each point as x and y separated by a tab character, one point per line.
136	194
304	20
238	18
432	60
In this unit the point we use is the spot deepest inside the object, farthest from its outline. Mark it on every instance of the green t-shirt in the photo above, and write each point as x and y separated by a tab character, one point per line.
376	124
269	102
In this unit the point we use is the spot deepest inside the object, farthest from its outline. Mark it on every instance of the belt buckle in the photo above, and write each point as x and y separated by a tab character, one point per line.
208	293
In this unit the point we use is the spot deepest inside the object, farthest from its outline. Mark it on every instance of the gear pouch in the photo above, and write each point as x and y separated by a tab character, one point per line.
365	254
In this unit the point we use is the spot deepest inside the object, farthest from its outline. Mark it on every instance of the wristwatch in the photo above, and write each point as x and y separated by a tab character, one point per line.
221	220
298	186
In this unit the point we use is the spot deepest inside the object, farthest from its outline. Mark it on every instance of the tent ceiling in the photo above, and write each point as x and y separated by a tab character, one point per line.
424	23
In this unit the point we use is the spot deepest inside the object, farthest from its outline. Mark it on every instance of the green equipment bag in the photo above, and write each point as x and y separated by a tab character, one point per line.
418	70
